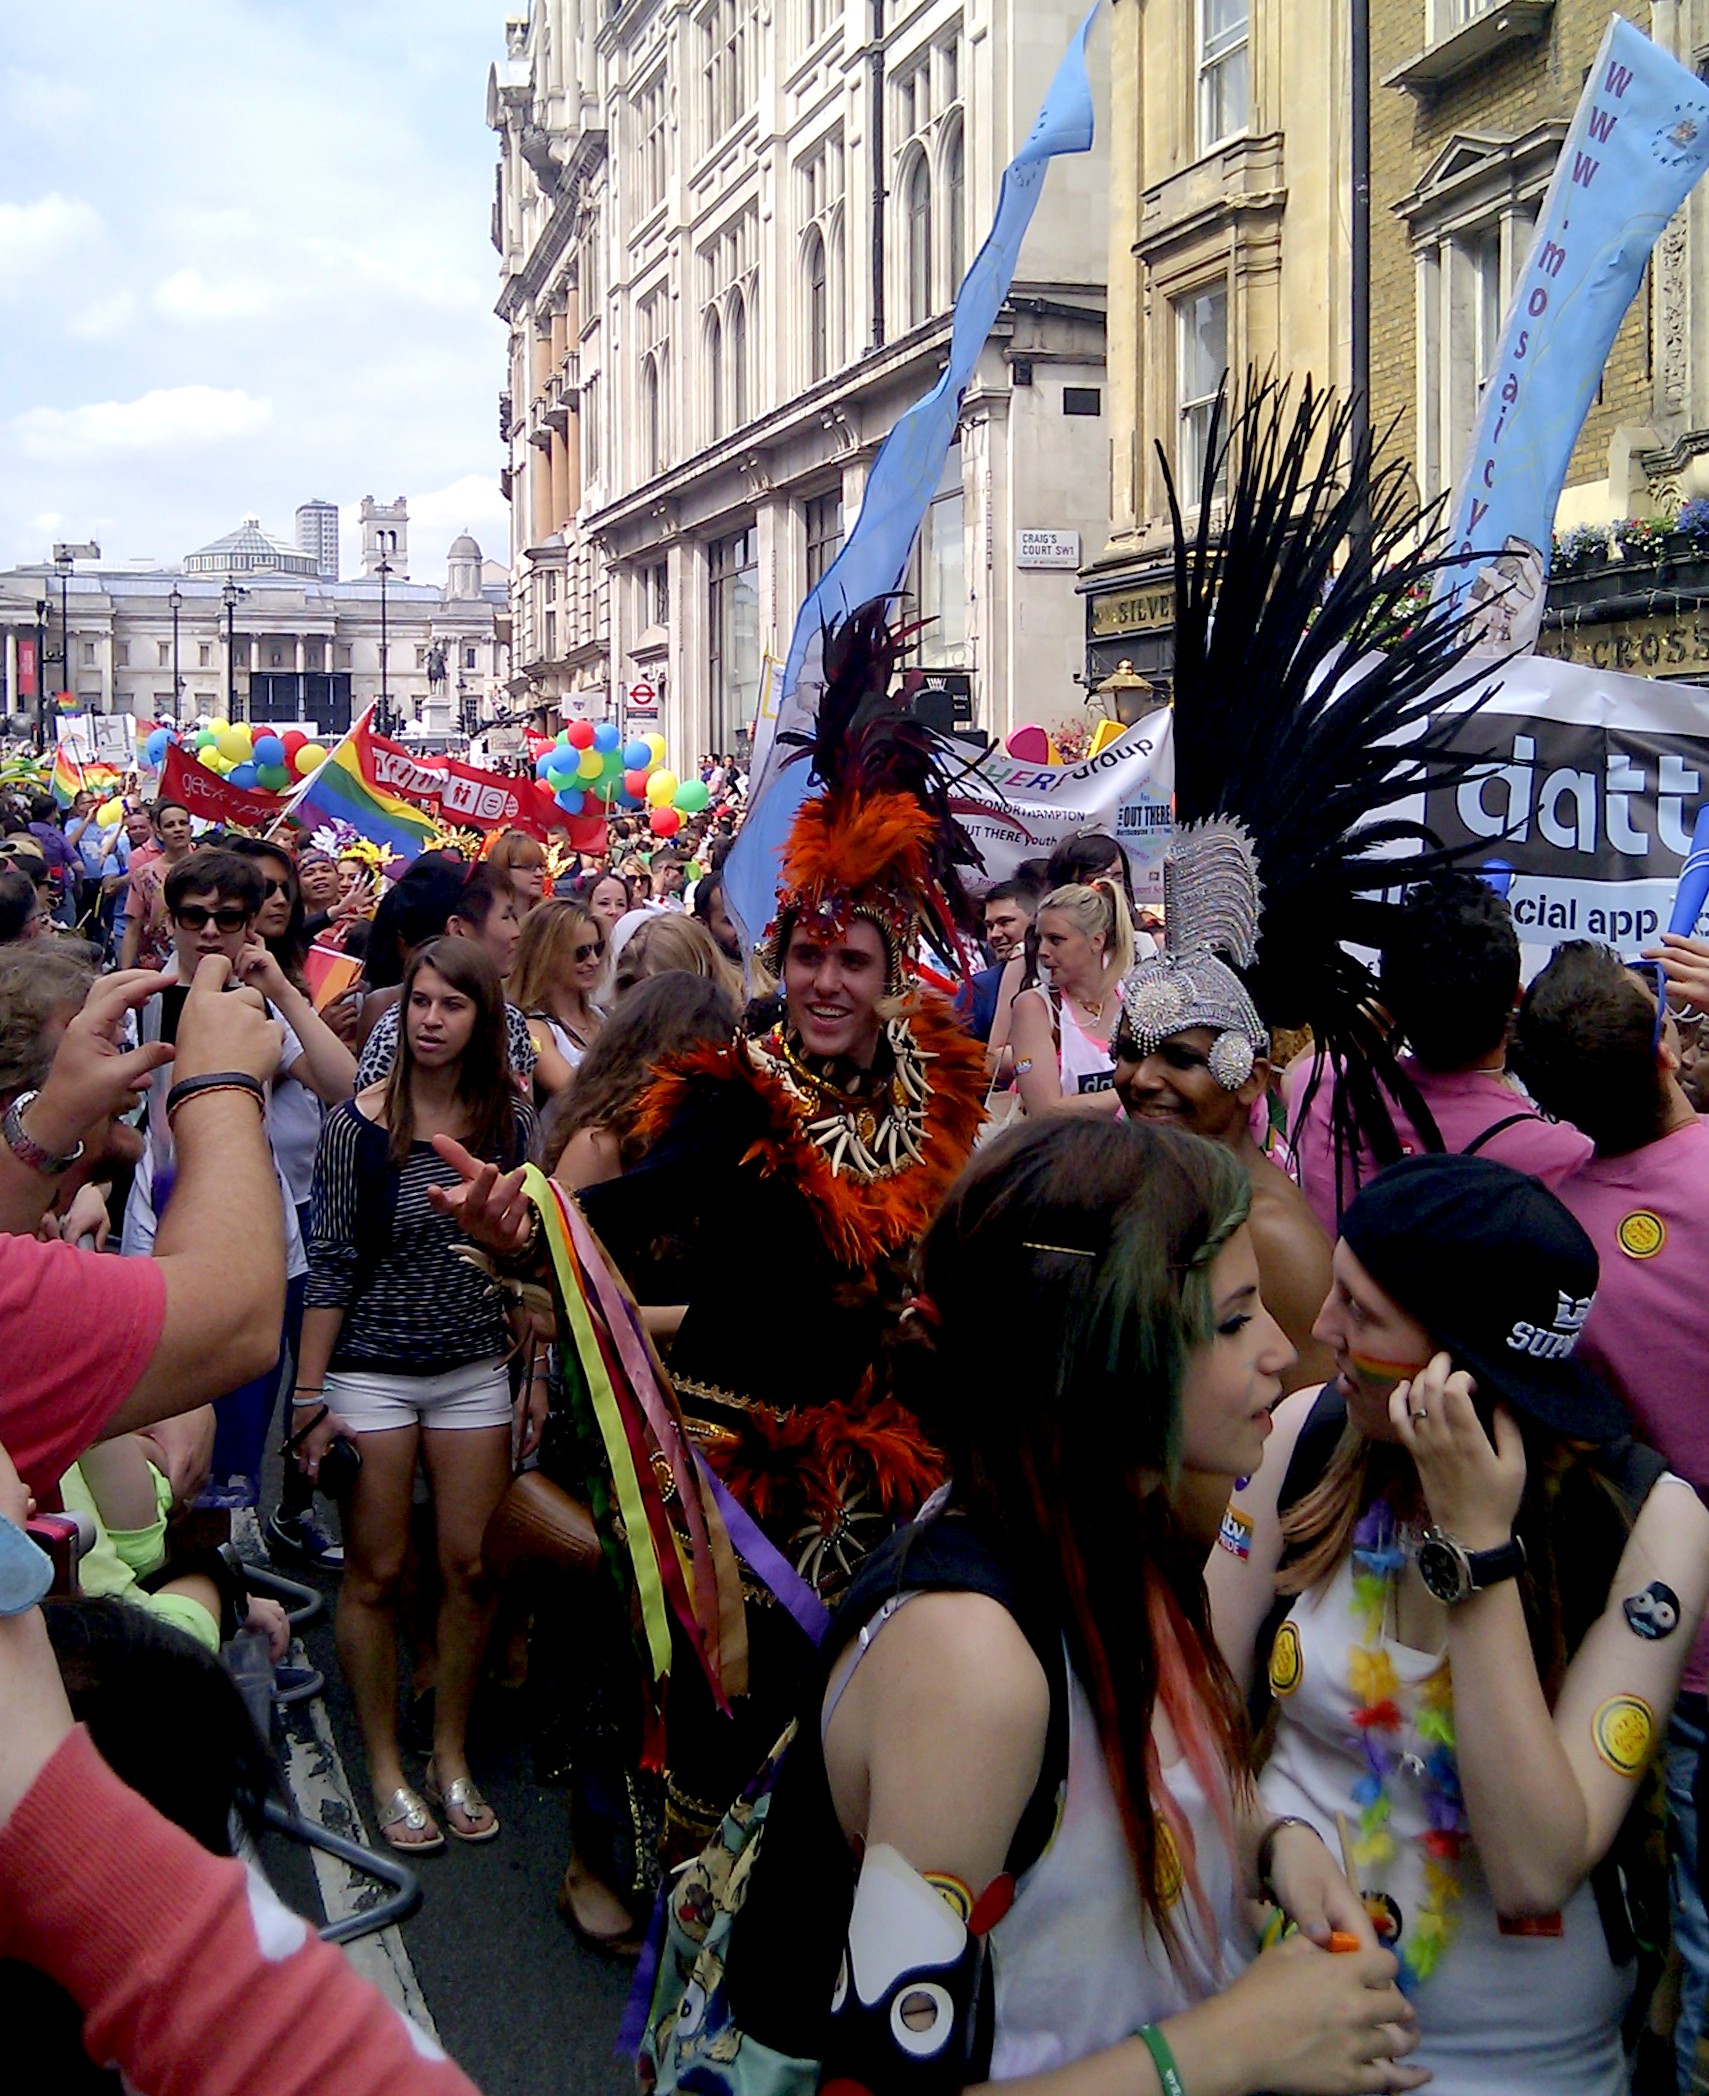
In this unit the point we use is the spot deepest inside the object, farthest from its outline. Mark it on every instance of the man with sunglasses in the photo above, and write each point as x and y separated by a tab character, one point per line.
1598	1049
211	901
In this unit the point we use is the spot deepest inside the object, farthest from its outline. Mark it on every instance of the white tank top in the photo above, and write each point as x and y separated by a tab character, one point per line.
1083	1063
1500	2013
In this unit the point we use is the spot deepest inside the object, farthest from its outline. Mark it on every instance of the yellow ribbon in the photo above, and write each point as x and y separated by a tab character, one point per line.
638	1533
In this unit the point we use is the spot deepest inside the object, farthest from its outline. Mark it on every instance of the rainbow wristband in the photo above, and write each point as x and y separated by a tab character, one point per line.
1163	2060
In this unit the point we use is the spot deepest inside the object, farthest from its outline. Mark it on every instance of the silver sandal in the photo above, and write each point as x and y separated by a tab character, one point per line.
462	1794
405	1808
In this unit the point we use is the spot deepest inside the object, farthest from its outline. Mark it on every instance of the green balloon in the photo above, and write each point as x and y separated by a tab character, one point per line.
205	738
691	796
274	777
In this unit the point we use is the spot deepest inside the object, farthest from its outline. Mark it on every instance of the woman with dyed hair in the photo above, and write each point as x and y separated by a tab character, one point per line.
1014	1832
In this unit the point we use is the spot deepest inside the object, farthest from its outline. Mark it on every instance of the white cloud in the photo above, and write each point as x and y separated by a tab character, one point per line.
103	317
189	297
36	234
167	418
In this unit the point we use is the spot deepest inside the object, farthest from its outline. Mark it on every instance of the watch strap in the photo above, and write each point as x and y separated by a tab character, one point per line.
24	1147
1489	1568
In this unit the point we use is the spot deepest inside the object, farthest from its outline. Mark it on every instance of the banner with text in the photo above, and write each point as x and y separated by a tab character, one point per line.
212	798
1591	791
464	797
1638	142
1016	811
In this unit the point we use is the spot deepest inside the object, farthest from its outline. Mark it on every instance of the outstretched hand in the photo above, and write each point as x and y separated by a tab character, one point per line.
490	1206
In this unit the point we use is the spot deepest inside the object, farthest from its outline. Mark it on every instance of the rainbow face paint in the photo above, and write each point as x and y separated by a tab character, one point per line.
1383	1376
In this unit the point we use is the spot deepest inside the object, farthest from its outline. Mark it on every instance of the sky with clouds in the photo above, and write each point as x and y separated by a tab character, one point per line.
244	261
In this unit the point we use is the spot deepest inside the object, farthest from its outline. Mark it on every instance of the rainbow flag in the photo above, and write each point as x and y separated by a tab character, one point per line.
340	791
67	780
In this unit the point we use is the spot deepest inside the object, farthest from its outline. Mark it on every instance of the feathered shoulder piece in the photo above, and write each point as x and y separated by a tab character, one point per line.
1310	682
879	841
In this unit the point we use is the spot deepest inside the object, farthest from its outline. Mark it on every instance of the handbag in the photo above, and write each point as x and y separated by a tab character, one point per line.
538	1522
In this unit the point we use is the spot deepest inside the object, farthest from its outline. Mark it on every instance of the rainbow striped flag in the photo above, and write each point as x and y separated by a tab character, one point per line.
341	791
67	779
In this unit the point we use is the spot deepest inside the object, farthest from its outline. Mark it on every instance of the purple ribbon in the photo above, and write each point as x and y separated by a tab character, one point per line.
763	1558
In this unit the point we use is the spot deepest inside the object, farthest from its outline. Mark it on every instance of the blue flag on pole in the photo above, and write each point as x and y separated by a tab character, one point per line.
1637	144
903	479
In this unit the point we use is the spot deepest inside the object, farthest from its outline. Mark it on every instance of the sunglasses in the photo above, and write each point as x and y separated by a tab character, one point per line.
195	917
272	887
590	952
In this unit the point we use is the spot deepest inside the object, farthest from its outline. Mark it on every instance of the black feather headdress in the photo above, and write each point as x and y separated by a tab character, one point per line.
1311	677
880	841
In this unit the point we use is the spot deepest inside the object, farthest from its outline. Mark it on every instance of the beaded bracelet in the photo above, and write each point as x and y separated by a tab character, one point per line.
1163	2060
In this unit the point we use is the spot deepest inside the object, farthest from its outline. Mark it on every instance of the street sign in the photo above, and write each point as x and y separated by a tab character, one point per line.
1047	549
641	698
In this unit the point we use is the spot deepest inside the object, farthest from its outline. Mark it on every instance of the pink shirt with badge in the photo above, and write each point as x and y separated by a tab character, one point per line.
1463	1103
1647	1213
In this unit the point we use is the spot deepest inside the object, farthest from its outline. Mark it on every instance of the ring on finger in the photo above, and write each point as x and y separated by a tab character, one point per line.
1420	1413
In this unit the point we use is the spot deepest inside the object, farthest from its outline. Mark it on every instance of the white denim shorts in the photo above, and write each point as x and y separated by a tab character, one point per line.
477	1394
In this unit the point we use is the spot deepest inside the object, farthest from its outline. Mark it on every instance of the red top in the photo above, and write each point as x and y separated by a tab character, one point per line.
76	1332
191	1975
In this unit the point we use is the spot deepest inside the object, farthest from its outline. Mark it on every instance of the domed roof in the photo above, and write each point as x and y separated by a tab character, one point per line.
463	547
246	551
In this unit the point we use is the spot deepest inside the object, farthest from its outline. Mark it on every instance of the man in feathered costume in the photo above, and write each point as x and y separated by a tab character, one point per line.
789	1174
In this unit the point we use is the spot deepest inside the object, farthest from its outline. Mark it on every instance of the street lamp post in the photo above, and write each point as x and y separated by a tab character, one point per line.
43	607
228	597
388	545
176	600
65	557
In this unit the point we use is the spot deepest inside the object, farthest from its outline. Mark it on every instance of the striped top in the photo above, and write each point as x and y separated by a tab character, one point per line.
411	1306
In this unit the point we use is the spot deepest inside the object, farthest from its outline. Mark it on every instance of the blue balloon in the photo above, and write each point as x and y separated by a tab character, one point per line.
605	737
627	800
637	756
542	765
157	745
570	800
243	775
268	750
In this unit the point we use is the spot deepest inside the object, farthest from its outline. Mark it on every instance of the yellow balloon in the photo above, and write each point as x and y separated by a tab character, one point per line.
218	727
108	813
590	763
661	788
309	758
656	743
235	743
216	762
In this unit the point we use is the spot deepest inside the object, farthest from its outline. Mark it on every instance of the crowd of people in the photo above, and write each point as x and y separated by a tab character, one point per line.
1141	1530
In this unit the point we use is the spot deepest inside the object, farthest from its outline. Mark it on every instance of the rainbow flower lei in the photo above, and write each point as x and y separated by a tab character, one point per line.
1378	1555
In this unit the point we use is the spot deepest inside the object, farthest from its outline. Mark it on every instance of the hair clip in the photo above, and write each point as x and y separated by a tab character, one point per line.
1067	1251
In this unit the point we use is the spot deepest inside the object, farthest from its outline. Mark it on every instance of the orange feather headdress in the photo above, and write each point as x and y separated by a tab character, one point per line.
879	842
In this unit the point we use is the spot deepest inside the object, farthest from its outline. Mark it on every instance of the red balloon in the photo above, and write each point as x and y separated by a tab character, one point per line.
635	784
293	739
664	822
580	735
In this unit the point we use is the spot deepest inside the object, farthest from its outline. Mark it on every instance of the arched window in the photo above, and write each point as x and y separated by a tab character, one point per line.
818	309
652	419
736	322
714	378
955	207
918	203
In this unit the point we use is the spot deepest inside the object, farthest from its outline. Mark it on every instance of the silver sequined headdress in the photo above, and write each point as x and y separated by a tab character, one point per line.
1210	907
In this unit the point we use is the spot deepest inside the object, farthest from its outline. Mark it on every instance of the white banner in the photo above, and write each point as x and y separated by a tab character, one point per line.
1015	811
98	738
1589	798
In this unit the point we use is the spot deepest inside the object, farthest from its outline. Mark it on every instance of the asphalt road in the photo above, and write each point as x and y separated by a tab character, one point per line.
516	2001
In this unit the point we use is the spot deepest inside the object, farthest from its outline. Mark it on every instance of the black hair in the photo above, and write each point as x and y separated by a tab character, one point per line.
414	910
706	892
19	903
290	949
43	807
1450	970
158	808
484	890
1078	861
1022	892
1585	1045
230	878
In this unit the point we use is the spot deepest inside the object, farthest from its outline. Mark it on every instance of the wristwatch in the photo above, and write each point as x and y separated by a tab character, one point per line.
28	1152
1453	1573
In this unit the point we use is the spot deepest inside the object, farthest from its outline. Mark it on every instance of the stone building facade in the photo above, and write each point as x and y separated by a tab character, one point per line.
1228	249
730	240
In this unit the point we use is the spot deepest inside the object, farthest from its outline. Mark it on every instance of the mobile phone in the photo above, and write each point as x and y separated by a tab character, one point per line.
63	1538
171	1009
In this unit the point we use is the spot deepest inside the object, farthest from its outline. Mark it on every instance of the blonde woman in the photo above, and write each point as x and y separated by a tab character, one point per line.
662	942
1061	1035
559	961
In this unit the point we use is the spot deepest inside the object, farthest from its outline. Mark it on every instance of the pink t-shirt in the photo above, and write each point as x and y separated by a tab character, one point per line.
1463	1103
1648	1331
76	1332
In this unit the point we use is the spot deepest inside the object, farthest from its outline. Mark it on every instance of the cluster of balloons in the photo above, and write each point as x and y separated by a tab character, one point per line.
243	755
591	762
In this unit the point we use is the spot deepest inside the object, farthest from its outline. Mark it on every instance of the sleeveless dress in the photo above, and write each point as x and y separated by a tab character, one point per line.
1538	2012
